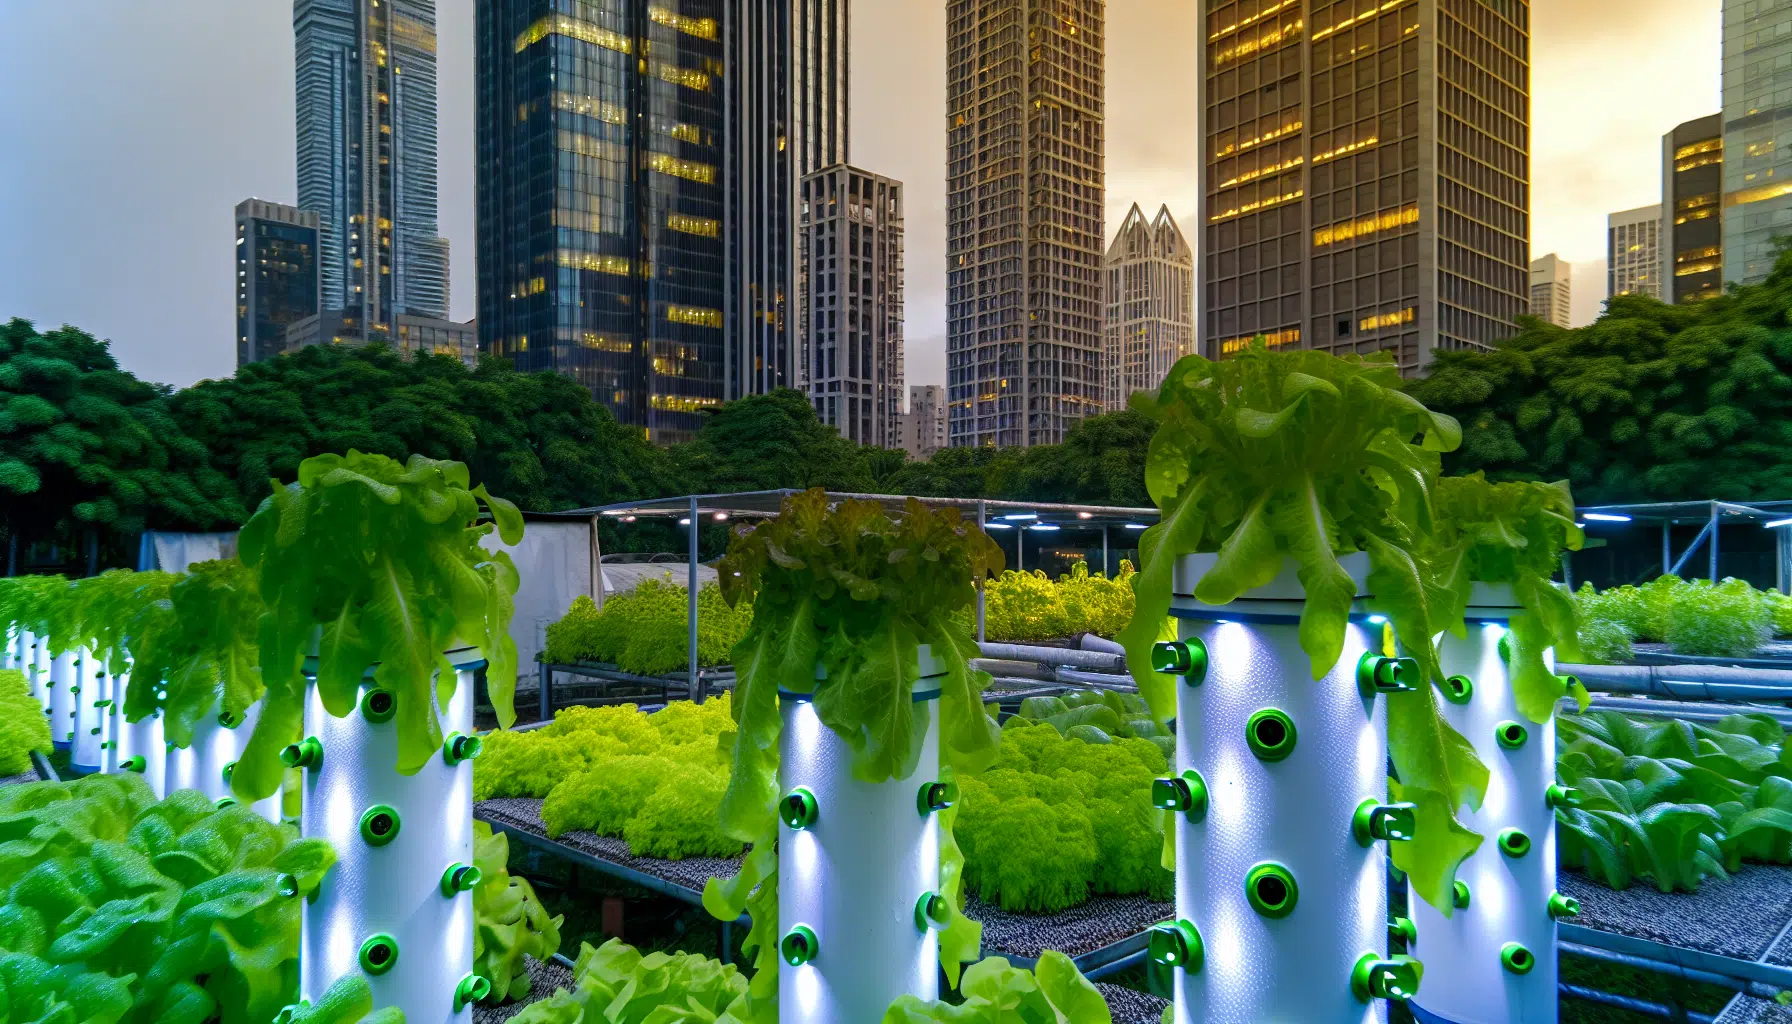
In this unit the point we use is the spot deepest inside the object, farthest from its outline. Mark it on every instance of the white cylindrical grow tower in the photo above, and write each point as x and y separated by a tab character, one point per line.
87	755
40	678
858	871
112	694
65	671
1282	911
200	764
141	749
228	746
396	907
1493	961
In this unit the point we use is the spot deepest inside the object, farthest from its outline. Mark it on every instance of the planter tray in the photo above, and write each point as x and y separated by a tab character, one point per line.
1725	927
520	817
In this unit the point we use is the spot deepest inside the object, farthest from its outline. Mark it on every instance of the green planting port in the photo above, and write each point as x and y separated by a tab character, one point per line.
459	878
1376	674
228	720
1187	658
379	825
378	705
932	912
379	954
1177	944
798	946
224	801
286	885
798	808
1271	890
1562	907
1186	793
459	747
1375	820
1374	977
307	753
1404	929
1460	895
471	989
1511	735
135	764
1516	958
1270	733
932	797
1459	689
1558	795
1514	843
229	770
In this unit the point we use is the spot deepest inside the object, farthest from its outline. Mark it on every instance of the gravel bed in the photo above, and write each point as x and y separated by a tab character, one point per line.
546	977
1131	1007
691	873
1748	1010
14	780
1737	918
1076	931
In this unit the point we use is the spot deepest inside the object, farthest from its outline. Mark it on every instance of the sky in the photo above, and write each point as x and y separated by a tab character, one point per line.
129	131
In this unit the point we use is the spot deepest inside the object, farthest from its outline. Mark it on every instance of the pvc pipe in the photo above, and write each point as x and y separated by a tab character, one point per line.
1466	979
1096	661
855	875
1286	957
1102	645
141	749
383	910
65	671
1687	682
88	756
1099	680
1692	710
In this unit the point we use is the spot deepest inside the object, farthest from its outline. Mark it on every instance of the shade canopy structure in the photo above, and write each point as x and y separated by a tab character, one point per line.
1711	515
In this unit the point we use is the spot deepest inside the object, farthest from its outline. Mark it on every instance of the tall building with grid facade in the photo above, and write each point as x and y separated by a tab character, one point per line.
276	275
1551	291
1365	183
1692	210
1633	252
637	172
1024	218
367	161
1150	294
1757	136
849	246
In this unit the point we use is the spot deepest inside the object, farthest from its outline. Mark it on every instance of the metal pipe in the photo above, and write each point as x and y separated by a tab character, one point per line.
1091	642
1667	549
1674	569
1714	539
1096	661
546	675
1640	1006
1690	710
1757	989
1686	682
1098	680
691	595
1107	568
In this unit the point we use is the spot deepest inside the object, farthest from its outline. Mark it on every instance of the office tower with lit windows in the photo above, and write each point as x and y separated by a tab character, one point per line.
1692	210
1024	218
1150	293
366	117
1757	118
1633	252
1550	289
636	196
1365	181
276	275
849	247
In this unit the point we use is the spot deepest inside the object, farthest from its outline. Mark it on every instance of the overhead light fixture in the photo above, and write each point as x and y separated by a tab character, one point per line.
1378	619
1085	515
1135	526
1042	526
721	517
613	512
998	526
628	519
1021	515
1777	523
685	521
1605	517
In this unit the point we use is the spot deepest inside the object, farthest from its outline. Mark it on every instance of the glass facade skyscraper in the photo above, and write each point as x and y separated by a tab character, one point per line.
367	155
1692	213
1757	136
276	275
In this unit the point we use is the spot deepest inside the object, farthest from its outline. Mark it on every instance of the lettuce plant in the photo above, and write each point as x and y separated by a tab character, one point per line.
995	992
1020	606
199	646
348	1001
509	921
1099	716
850	589
117	907
617	984
23	727
645	630
379	564
532	764
1729	619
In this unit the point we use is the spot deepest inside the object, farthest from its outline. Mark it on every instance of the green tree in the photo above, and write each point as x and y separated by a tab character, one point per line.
1100	462
769	441
1650	402
86	446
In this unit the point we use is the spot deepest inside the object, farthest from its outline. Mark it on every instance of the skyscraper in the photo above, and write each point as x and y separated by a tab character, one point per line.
636	189
1757	169
921	430
1024	232
1366	175
1551	277
1633	252
1692	210
366	91
850	269
1150	305
276	275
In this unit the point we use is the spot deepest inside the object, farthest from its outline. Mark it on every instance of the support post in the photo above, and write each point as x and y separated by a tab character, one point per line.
12	554
982	509
1020	548
546	697
1714	532
1107	568
1667	549
691	594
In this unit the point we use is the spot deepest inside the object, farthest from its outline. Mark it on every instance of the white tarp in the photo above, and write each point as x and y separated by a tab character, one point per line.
554	562
176	552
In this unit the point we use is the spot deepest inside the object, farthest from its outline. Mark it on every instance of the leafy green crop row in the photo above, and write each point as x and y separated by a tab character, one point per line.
508	920
116	907
646	630
1727	619
1673	802
1021	606
23	727
1100	716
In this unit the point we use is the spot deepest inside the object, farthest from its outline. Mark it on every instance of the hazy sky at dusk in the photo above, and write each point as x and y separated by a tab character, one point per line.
130	130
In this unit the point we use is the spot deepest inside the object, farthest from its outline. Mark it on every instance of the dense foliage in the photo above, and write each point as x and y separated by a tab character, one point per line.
508	921
1099	716
117	907
1673	802
646	630
1021	606
1059	818
23	727
1651	402
996	992
1727	619
384	559
616	984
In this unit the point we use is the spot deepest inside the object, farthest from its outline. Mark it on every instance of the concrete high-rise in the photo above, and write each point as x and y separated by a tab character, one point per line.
1757	115
637	171
1550	289
1150	288
1024	208
1633	252
367	166
922	429
276	275
1365	183
850	274
1692	210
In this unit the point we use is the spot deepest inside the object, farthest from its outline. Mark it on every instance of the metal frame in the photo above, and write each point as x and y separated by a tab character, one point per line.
1714	515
